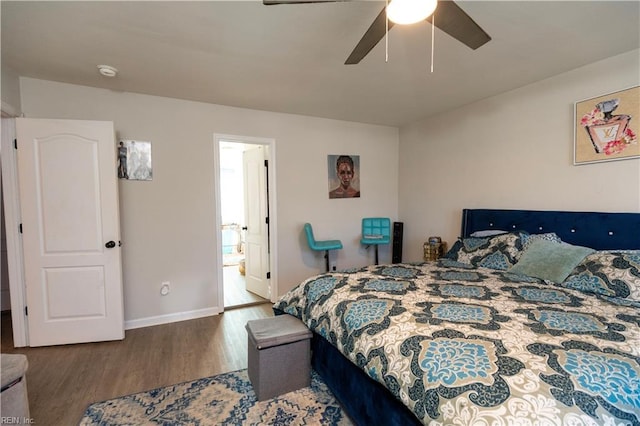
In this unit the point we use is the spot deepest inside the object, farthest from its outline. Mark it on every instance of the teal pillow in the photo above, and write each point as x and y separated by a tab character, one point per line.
550	260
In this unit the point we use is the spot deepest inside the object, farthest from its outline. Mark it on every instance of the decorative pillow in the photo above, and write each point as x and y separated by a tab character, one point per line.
453	251
550	260
498	252
610	273
527	239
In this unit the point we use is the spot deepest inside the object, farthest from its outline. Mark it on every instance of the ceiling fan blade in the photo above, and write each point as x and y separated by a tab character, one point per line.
450	18
369	40
454	21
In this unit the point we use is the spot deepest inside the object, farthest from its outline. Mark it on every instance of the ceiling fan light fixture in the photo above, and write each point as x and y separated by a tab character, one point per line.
107	70
407	12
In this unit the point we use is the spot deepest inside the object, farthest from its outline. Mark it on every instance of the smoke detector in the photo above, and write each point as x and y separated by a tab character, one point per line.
107	70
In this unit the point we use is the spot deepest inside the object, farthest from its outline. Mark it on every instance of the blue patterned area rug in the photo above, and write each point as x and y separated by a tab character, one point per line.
226	399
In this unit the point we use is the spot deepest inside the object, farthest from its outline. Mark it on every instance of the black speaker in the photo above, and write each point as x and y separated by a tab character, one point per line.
396	253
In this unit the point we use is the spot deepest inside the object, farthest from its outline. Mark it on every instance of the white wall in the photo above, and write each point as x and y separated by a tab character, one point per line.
168	223
5	296
10	91
512	151
10	105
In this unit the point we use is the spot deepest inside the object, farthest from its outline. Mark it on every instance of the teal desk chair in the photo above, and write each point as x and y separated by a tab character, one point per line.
325	245
376	231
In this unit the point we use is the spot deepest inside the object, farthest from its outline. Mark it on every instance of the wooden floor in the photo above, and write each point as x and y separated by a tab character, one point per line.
235	290
63	380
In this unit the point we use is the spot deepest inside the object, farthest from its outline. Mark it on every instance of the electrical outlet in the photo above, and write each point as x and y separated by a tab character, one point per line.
165	288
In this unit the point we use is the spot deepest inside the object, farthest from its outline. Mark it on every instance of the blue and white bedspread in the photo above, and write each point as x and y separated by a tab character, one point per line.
461	345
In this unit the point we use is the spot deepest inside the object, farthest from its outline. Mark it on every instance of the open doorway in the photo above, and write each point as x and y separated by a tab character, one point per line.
232	211
243	220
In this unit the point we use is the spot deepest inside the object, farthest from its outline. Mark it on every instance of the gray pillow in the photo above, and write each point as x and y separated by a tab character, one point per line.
550	260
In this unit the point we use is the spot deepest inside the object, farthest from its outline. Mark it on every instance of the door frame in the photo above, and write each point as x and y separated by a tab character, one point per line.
270	143
15	261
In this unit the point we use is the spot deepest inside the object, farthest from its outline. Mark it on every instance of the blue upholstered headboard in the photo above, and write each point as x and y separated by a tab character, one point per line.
600	231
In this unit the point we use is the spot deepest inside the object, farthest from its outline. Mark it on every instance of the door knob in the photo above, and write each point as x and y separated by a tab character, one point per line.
110	244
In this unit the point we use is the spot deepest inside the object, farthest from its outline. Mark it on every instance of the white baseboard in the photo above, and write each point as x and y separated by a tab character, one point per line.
169	318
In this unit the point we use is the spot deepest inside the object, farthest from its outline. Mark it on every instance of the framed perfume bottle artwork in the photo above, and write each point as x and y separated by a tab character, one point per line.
606	127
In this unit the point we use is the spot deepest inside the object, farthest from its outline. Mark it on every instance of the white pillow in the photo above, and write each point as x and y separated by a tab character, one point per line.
487	233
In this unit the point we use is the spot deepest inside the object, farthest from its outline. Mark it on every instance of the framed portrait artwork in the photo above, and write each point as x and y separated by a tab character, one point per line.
344	176
606	127
134	160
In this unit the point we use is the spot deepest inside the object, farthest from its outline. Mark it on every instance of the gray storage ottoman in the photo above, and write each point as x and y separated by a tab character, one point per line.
14	402
279	355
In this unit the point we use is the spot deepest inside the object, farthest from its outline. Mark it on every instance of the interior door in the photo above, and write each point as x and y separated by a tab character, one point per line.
71	230
256	234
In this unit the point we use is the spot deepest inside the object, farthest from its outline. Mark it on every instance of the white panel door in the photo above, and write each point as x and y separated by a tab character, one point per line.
71	230
256	234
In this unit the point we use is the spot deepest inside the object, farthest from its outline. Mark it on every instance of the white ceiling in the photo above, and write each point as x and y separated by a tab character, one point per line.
290	58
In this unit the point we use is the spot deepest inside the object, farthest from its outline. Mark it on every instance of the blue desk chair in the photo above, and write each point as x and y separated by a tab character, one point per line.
325	245
376	231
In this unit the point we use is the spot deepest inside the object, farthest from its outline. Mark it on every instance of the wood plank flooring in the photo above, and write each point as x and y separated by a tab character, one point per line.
63	380
235	290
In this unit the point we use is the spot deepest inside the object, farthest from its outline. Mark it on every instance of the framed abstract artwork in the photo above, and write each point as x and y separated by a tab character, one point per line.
606	127
134	160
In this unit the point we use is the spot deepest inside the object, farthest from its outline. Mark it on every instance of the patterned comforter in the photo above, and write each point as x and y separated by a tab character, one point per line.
461	345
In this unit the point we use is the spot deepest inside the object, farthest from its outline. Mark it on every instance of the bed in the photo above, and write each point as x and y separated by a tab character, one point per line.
539	324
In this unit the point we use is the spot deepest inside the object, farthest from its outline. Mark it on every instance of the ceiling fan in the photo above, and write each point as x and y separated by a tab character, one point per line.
451	19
